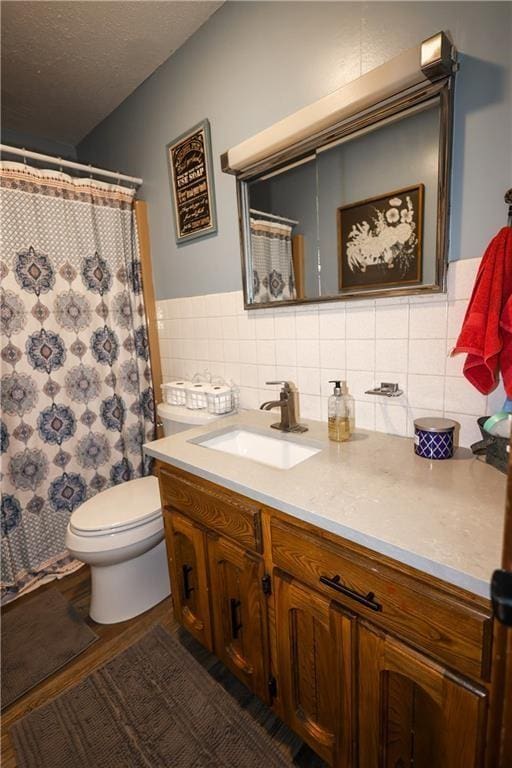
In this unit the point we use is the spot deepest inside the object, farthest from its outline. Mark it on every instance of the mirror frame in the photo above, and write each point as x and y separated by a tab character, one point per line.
443	90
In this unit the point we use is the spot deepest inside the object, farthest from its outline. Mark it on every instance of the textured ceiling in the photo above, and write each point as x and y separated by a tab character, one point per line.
67	65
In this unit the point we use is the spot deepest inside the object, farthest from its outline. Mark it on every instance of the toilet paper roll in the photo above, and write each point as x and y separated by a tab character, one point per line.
220	399
197	395
175	392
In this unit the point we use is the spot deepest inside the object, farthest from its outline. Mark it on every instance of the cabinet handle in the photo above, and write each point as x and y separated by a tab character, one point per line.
236	625
187	589
367	600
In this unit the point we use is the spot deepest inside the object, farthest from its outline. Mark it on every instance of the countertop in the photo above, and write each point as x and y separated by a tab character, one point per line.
442	517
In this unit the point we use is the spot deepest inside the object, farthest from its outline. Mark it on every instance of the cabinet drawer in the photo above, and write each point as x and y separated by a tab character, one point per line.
456	632
214	507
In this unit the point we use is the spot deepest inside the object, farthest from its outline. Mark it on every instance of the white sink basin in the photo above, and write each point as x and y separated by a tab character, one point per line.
282	452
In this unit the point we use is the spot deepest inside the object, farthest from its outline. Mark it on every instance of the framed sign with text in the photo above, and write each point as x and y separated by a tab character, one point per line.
192	187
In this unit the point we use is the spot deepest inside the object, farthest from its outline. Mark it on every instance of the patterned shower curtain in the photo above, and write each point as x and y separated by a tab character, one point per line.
76	396
272	264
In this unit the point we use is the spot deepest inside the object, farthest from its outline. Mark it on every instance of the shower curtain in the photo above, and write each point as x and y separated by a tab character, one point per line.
272	264
76	396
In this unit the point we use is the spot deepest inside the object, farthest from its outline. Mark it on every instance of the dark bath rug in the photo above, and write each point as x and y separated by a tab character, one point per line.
39	636
152	706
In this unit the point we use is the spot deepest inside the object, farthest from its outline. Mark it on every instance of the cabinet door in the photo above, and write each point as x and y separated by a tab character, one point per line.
239	612
314	650
186	552
412	712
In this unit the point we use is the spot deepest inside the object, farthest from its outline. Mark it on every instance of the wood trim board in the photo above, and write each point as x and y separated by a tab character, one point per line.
148	290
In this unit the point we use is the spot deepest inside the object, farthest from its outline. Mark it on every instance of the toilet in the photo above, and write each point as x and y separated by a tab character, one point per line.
120	534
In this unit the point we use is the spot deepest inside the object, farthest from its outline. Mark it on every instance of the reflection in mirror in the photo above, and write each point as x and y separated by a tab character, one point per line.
377	203
364	213
283	234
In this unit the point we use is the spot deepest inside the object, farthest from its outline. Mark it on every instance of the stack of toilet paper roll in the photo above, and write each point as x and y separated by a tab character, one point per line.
218	397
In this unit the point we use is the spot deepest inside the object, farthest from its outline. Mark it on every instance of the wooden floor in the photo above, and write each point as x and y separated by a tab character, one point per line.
113	638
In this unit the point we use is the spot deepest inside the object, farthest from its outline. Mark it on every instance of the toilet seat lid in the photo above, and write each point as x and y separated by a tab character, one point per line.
123	506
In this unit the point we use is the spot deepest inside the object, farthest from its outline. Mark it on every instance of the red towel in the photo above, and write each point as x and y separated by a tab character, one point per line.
486	333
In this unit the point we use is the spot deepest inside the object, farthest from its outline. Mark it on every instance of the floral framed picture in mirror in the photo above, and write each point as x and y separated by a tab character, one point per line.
380	241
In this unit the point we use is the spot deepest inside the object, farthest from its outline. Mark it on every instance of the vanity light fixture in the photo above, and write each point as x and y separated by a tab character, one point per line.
436	56
432	60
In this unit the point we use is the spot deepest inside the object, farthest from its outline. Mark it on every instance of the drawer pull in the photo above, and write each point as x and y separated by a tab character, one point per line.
367	600
187	589
236	625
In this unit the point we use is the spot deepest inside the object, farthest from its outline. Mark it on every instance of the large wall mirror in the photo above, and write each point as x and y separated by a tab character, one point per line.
360	211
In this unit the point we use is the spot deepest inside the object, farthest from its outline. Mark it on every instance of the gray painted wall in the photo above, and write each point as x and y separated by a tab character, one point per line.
253	63
38	144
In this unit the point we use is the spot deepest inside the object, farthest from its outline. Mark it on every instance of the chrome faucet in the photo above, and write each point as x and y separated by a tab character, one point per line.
287	402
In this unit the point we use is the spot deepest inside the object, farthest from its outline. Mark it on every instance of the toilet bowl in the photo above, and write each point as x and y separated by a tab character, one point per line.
120	534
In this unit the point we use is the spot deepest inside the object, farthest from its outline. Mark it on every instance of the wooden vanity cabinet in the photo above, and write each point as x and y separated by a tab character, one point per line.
239	612
222	600
186	554
372	664
414	712
451	627
315	656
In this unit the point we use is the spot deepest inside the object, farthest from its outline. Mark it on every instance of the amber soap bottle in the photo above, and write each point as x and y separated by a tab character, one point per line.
341	413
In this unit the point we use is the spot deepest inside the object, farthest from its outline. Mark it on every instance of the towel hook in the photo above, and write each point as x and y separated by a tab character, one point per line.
508	201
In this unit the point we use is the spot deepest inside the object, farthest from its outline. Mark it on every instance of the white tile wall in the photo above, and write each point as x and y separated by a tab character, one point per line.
406	340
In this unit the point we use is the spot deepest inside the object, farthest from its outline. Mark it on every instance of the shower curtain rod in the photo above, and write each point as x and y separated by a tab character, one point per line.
273	216
90	169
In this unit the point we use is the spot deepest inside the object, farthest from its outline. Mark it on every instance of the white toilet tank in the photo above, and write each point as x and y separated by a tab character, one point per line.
178	418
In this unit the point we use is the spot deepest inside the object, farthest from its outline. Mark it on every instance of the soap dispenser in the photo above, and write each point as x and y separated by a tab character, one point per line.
341	413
